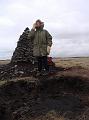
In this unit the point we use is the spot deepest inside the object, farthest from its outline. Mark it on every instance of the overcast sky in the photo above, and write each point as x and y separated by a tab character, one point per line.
66	20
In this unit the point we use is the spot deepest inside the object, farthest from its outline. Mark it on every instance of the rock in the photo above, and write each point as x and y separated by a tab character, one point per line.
24	49
22	61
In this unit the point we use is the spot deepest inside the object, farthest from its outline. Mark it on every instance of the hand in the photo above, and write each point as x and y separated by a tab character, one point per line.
34	26
48	49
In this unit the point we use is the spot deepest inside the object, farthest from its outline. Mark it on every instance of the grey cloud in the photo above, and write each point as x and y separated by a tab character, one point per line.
66	20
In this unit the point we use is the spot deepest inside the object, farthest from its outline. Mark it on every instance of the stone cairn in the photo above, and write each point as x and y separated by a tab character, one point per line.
22	62
23	51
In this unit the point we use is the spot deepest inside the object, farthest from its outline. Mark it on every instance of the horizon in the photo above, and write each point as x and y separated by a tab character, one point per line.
8	57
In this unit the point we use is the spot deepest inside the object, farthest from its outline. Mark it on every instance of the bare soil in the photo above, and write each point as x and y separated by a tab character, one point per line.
60	96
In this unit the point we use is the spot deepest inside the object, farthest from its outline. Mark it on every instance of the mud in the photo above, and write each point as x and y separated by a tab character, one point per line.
57	98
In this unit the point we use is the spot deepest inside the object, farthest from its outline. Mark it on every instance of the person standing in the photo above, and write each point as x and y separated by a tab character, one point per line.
42	42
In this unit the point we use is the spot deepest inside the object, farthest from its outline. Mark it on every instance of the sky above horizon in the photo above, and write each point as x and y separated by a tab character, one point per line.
66	20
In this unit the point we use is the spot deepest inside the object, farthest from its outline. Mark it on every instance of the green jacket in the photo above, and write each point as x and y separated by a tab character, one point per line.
41	39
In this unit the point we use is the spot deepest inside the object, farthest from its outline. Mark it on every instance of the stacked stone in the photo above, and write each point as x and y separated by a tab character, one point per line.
22	61
24	49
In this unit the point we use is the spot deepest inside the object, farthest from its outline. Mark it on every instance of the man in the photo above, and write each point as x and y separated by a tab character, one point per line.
42	42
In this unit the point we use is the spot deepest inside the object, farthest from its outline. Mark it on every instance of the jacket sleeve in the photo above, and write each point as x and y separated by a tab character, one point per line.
49	39
31	34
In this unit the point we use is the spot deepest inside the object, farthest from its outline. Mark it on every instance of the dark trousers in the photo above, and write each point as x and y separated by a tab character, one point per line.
42	63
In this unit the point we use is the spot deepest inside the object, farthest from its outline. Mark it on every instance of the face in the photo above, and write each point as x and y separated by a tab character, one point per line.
38	24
